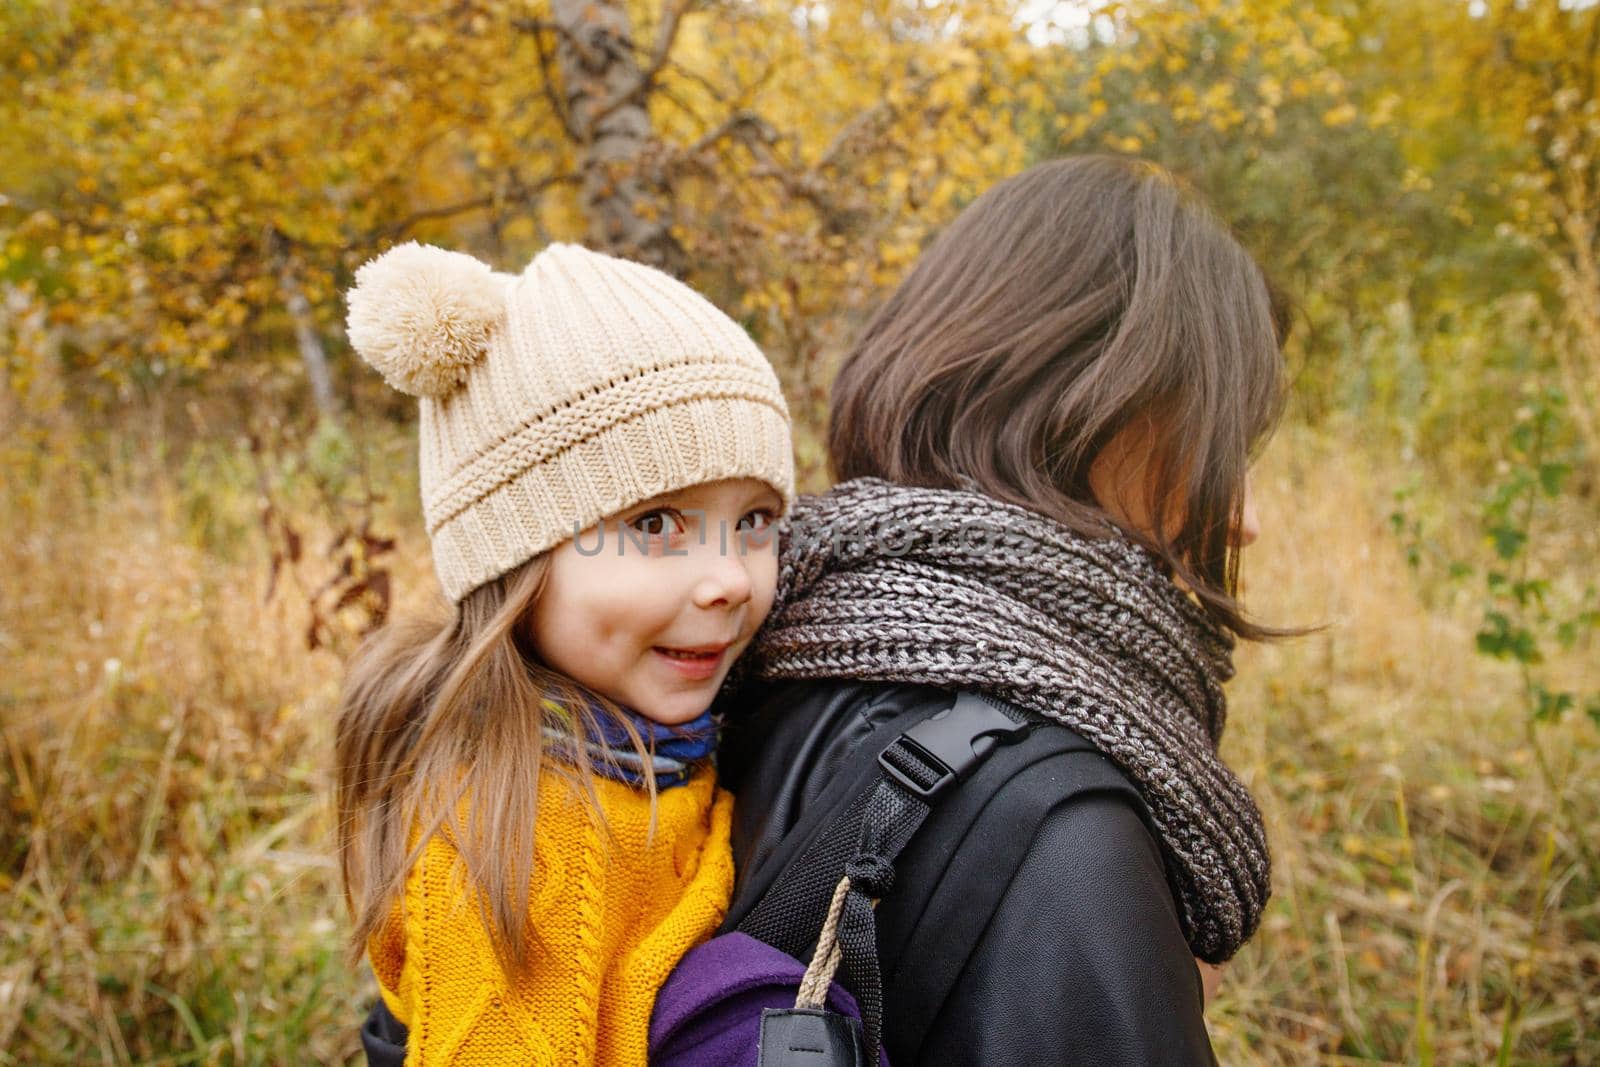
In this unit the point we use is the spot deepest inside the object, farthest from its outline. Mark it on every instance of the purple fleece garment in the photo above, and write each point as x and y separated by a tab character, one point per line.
702	1019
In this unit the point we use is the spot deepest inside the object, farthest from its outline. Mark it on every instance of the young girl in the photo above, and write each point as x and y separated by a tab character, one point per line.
1044	436
529	830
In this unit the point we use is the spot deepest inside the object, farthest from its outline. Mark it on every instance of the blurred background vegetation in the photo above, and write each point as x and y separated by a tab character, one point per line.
206	500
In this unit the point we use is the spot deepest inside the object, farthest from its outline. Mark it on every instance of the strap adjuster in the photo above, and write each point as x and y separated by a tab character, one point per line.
944	747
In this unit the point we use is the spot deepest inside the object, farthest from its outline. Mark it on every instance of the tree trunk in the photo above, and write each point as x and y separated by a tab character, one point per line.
312	354
606	94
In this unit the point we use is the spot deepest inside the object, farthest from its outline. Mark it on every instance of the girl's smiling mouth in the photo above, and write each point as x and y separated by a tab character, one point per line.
697	663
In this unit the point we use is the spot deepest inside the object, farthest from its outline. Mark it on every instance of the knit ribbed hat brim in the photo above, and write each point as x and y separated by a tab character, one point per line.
494	525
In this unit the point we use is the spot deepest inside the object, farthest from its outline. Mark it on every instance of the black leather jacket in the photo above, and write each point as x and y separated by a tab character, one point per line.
1061	948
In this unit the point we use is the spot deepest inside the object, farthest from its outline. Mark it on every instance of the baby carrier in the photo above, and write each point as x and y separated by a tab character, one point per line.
744	998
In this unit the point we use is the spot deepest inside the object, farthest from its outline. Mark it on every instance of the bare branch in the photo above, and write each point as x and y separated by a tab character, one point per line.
666	37
701	80
547	76
735	125
395	229
680	103
537	26
524	194
758	136
880	114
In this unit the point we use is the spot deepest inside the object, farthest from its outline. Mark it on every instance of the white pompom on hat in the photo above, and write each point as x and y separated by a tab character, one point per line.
421	316
555	398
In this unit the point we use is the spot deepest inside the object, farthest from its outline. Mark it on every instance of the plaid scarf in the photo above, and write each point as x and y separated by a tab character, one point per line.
673	750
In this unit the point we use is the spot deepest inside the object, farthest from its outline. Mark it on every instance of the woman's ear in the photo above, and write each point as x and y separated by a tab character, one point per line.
1120	477
422	316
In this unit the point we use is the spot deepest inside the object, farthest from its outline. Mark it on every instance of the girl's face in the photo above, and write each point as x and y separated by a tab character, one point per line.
652	606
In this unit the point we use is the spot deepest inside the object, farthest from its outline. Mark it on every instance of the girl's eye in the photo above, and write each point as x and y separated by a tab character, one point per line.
662	522
757	521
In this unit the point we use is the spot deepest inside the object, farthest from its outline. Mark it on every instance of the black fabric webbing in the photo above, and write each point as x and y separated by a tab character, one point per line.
789	917
893	814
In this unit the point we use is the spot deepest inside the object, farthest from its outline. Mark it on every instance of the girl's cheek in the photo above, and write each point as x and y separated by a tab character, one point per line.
764	583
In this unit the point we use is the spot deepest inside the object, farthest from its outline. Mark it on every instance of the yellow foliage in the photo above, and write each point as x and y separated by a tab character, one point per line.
1342	115
277	150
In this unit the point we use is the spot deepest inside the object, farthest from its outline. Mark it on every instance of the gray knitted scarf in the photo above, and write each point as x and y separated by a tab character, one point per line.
881	582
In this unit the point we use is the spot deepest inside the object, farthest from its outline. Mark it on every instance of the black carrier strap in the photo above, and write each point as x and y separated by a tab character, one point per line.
914	770
991	826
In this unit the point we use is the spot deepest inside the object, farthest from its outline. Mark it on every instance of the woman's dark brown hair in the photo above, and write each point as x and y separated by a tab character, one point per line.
1071	301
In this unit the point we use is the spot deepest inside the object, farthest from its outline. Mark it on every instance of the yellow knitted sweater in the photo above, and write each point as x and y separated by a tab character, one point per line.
608	922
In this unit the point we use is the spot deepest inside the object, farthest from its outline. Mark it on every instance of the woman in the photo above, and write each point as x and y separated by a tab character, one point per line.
1044	439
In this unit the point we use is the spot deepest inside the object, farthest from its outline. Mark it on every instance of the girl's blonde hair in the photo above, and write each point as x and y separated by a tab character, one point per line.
437	711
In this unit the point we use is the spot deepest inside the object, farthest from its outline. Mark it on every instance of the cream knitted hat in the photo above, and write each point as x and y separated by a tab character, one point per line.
555	398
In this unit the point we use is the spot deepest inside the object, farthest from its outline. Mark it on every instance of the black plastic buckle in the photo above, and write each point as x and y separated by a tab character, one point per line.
949	744
801	1037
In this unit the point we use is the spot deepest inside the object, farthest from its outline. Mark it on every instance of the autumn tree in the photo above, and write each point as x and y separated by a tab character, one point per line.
1414	173
190	190
1493	108
1543	68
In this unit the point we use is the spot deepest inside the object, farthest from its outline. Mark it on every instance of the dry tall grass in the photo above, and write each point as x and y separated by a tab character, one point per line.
167	896
1431	905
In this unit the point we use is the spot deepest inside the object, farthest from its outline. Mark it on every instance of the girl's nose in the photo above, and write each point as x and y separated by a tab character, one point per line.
725	582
